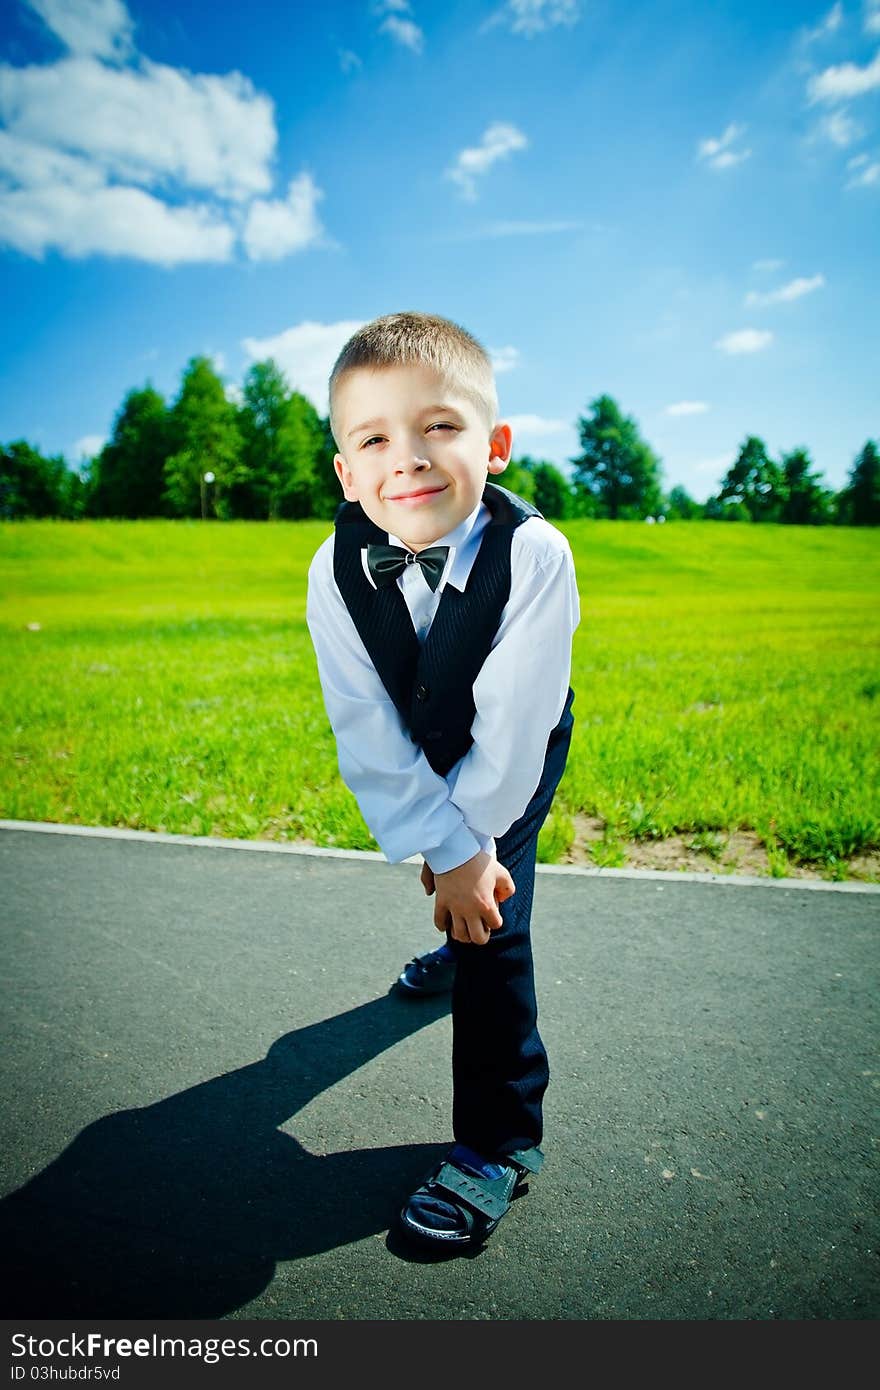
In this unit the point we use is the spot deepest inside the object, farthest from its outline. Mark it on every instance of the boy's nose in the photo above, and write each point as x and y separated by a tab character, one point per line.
412	463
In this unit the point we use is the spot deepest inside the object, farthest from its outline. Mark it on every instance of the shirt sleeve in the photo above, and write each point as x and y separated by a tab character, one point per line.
406	805
522	687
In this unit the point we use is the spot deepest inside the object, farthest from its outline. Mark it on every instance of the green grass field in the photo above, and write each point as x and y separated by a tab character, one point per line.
159	675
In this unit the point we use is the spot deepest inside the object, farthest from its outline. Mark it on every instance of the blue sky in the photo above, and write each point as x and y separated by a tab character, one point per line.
674	202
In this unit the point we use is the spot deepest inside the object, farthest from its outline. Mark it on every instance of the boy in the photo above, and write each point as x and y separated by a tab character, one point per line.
442	611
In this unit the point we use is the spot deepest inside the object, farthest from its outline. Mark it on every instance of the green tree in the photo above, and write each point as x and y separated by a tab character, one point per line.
859	502
302	445
551	490
616	467
74	499
205	438
519	478
286	467
127	478
31	485
681	506
716	510
326	492
255	487
755	481
806	501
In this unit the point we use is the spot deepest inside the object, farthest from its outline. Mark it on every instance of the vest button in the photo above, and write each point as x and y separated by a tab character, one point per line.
422	692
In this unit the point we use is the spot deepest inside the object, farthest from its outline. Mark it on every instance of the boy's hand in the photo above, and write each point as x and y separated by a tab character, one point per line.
468	898
427	877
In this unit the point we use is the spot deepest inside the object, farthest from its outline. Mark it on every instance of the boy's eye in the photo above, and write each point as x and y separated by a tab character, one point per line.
373	439
441	425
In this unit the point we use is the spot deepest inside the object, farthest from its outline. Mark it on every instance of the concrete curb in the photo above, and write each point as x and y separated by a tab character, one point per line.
278	847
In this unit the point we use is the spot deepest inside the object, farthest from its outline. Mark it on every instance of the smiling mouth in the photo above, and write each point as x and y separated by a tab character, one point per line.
421	496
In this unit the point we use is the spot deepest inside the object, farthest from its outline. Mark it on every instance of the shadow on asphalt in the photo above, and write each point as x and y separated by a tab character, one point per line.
182	1209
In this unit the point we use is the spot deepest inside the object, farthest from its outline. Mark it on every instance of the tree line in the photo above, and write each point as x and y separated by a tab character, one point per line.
269	455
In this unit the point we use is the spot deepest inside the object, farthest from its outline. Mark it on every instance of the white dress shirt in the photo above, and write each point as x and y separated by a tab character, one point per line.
519	695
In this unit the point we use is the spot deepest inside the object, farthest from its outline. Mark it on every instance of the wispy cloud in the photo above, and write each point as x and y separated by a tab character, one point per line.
687	408
138	159
536	425
744	340
89	446
504	359
871	22
715	467
840	128
767	265
513	228
786	294
531	17
94	28
305	353
499	140
717	152
397	24
865	172
844	81
826	27
349	61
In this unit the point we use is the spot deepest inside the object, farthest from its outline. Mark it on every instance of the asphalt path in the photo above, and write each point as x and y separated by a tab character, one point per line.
213	1105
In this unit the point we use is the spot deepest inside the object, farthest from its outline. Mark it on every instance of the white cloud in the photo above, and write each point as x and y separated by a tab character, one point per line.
767	265
716	152
840	128
795	289
745	340
872	17
99	28
531	17
89	446
536	425
275	229
349	61
504	359
145	161
844	81
81	217
491	230
829	25
499	140
305	353
403	30
496	229
148	125
869	175
687	408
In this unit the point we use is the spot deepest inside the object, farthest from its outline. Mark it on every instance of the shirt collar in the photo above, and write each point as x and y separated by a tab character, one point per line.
464	542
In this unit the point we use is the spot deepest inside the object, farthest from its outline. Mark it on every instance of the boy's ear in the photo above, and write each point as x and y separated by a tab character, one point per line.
500	446
346	478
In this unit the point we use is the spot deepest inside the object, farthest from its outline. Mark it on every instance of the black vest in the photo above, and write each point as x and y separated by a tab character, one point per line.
431	684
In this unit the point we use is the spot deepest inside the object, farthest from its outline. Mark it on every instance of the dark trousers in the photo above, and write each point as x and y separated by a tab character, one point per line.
499	1064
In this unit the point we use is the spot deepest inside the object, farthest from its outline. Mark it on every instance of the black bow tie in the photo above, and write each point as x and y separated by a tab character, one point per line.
386	562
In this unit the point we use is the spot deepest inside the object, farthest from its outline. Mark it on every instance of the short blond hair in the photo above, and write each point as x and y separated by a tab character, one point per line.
409	339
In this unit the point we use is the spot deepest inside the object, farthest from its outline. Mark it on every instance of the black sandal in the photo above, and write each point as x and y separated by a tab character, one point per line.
455	1208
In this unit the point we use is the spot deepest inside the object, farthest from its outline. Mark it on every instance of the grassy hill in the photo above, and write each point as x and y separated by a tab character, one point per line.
159	675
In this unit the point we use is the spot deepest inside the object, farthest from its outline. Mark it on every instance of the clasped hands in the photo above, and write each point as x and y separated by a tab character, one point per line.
468	897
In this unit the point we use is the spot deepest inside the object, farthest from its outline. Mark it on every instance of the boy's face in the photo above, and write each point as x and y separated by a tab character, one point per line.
413	451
